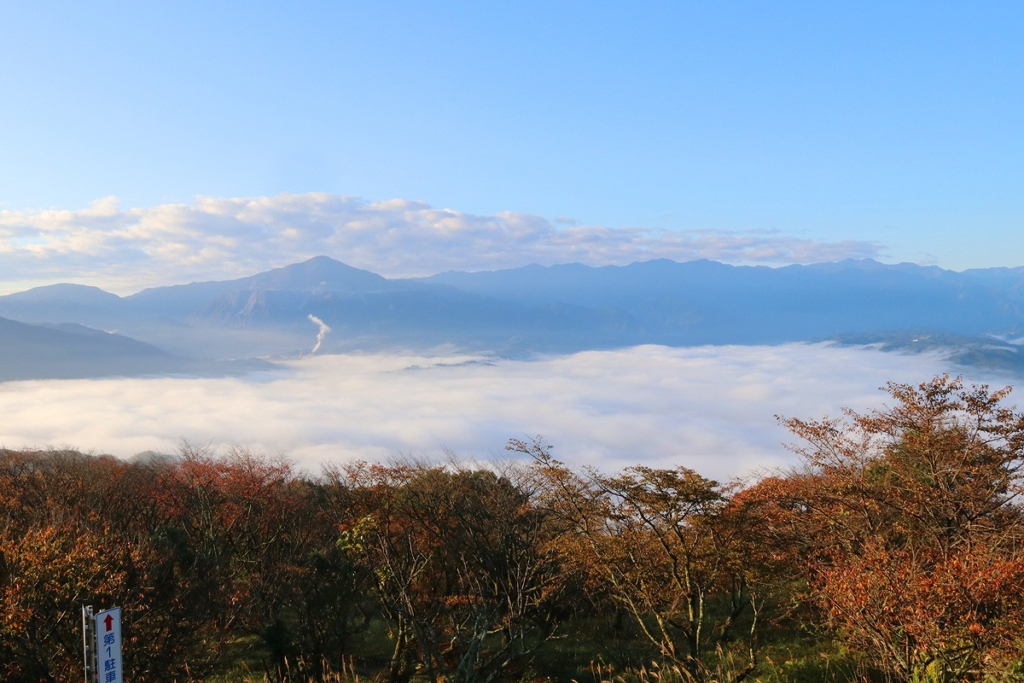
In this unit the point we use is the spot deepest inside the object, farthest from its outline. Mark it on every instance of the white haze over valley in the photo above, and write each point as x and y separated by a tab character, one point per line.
708	408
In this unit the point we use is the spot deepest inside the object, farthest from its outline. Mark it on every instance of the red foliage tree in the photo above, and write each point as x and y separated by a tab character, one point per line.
907	520
667	549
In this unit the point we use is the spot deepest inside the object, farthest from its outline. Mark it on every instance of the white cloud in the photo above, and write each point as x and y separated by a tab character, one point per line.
123	250
709	408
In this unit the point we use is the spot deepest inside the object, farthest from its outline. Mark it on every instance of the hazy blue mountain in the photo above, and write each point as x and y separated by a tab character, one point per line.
420	317
73	303
362	308
976	351
66	295
708	302
318	274
69	351
197	319
63	303
559	308
269	314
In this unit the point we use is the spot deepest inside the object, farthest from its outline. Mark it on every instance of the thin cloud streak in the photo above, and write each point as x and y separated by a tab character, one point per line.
124	250
321	334
708	408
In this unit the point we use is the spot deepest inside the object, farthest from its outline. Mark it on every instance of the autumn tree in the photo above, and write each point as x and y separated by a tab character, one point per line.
325	592
908	522
666	547
261	557
464	573
197	550
76	533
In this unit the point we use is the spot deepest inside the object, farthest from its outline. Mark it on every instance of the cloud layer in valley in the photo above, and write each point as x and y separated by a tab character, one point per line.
124	250
708	408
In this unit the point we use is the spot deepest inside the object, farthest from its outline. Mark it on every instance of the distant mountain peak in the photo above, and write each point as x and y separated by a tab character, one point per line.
67	292
319	272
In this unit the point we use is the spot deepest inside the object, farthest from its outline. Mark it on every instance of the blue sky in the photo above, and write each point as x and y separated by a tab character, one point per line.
891	128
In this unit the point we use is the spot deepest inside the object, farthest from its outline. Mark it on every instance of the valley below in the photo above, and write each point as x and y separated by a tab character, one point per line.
660	362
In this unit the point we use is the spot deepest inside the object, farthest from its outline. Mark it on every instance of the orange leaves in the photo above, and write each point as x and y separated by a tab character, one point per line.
458	555
182	546
660	545
904	528
53	570
908	525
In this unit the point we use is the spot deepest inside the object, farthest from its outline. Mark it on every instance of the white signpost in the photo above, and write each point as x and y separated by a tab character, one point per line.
105	659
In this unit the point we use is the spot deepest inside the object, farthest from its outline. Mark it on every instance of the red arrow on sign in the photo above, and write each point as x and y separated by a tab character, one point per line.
108	621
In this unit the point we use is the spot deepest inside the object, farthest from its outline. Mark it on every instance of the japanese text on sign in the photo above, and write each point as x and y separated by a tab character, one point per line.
108	646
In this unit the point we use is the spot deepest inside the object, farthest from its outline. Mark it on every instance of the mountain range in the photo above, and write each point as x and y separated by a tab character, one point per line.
67	330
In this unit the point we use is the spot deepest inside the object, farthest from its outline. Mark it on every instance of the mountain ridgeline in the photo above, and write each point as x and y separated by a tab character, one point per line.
534	309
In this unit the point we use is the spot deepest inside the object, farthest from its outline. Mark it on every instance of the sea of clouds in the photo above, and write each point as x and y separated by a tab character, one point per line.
708	408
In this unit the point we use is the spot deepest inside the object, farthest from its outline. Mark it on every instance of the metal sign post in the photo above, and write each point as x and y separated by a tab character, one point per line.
88	651
109	665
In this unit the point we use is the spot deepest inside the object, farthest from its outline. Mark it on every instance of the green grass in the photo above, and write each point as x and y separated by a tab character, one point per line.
593	653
